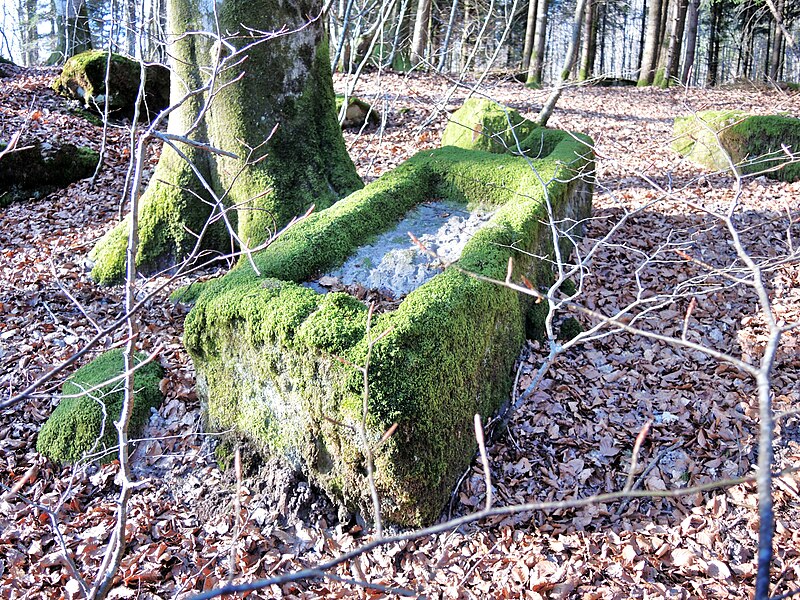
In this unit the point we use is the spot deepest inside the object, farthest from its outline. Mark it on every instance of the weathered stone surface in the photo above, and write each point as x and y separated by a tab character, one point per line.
83	78
272	355
753	143
38	168
83	421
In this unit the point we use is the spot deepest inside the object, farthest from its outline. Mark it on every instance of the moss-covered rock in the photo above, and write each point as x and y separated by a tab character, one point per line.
83	421
358	112
753	143
485	125
83	78
41	167
267	349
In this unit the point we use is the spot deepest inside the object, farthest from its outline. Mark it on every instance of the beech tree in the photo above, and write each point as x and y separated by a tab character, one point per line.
651	43
254	140
539	43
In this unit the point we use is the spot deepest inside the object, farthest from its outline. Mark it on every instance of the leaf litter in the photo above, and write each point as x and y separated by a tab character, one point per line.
572	438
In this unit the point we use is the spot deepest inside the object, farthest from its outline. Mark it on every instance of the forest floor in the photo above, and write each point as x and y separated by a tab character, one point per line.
571	439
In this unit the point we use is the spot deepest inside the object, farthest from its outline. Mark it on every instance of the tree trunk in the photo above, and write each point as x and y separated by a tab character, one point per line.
676	41
669	63
776	8
398	56
650	54
642	37
589	46
691	40
540	38
776	53
419	42
601	59
279	119
447	36
131	26
569	62
713	44
74	36
530	32
664	34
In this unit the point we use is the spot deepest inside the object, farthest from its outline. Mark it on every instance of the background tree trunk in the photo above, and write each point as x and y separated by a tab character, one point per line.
589	46
669	62
692	14
650	54
776	52
419	42
540	38
530	32
285	87
714	43
440	67
569	62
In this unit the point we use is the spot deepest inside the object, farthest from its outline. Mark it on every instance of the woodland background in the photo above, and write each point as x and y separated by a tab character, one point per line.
194	527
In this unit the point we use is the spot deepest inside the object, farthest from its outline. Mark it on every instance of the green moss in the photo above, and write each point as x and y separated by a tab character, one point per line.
485	125
659	80
753	143
358	112
336	325
84	422
304	161
83	77
534	321
169	221
39	169
568	288
570	328
266	348
278	119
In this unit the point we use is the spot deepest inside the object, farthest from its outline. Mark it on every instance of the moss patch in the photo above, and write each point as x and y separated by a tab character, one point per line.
358	112
40	168
754	143
83	78
267	349
84	422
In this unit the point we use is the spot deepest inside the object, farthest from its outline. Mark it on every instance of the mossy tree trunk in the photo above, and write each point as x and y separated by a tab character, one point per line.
275	110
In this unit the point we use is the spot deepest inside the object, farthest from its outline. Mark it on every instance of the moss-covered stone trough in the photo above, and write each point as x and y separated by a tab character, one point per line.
83	422
38	168
271	354
754	143
83	78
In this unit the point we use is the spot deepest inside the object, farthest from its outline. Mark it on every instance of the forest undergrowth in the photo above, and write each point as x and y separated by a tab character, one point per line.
572	438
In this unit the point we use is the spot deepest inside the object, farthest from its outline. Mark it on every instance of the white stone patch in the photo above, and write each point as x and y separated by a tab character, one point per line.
394	264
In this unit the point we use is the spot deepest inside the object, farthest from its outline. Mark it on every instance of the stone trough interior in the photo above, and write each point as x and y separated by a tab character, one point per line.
394	264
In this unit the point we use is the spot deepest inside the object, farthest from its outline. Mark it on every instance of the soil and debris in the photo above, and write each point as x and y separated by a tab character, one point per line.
572	438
